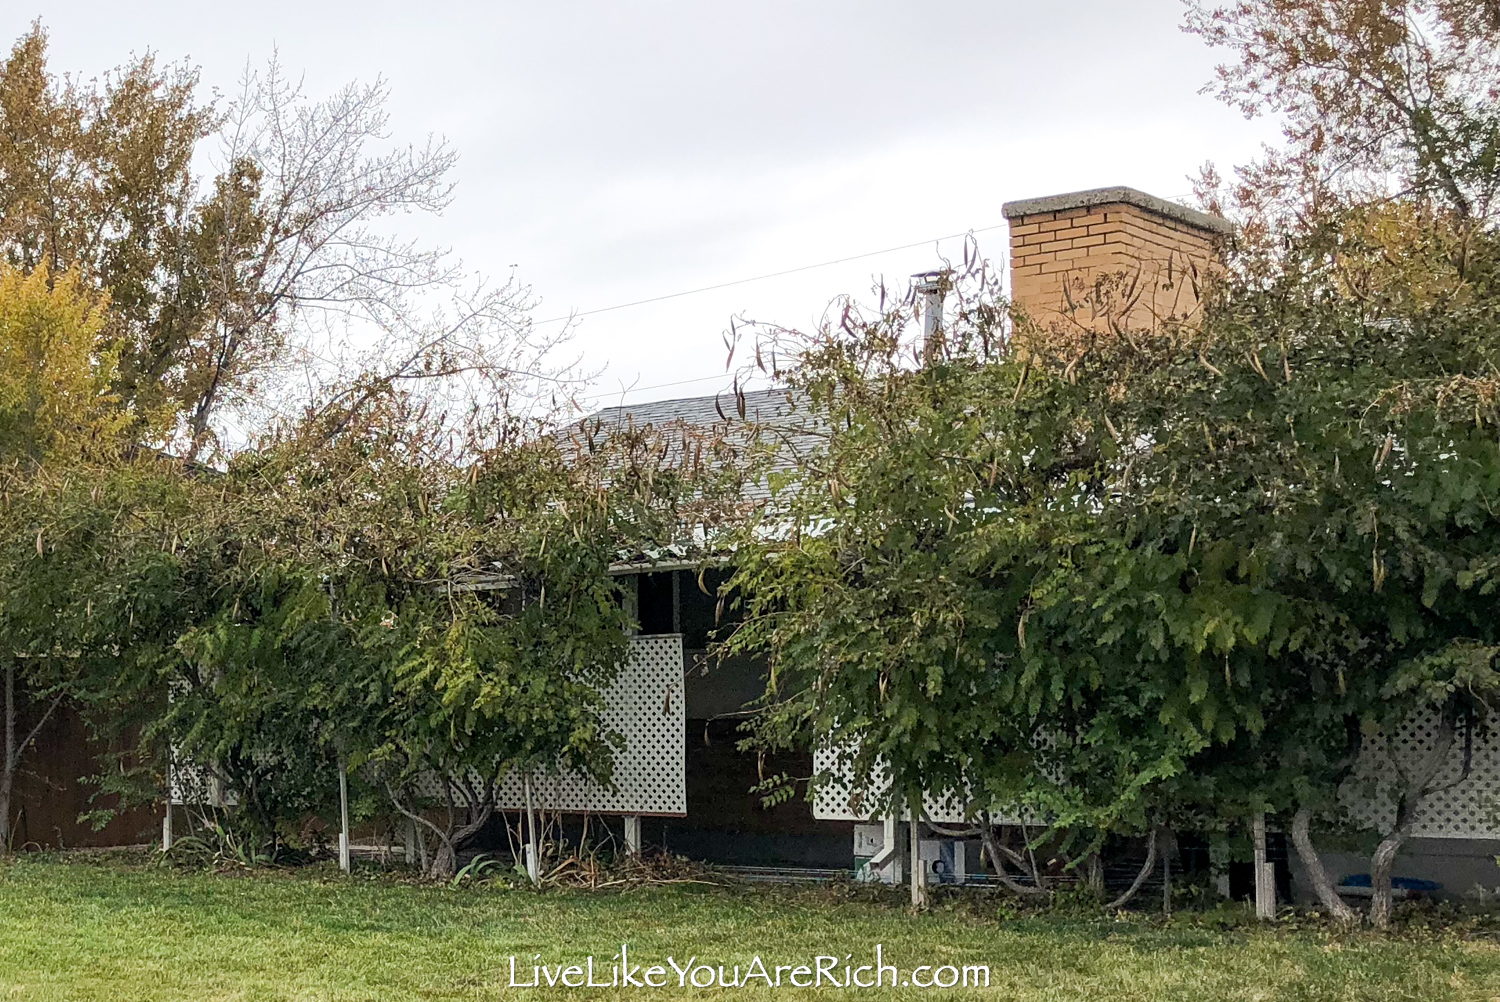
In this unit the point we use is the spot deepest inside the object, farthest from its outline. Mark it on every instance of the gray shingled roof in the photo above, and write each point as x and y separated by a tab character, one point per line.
777	412
701	412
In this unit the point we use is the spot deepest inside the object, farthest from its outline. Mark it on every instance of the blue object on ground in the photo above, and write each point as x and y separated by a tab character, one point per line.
1399	883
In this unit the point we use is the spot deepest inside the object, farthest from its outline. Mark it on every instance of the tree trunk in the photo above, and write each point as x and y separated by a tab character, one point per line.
1094	876
1384	859
203	410
1322	884
1381	865
992	849
444	861
8	767
1140	878
449	838
1168	845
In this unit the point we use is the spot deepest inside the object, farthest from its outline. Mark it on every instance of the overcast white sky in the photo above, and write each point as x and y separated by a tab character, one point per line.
616	151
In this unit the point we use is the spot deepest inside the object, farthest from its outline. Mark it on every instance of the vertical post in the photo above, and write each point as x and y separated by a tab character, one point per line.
343	815
633	834
411	841
888	860
167	835
918	871
532	863
930	285
630	585
1265	872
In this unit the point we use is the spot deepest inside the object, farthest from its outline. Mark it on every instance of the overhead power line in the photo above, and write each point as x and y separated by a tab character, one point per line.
774	274
625	391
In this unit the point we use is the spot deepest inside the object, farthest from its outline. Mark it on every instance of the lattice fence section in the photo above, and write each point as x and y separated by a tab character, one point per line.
1470	809
196	785
645	707
833	800
190	784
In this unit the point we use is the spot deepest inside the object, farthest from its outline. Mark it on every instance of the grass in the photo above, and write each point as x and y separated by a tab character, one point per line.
80	928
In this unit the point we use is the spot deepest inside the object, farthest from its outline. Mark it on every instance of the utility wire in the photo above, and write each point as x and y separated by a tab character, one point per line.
626	391
774	274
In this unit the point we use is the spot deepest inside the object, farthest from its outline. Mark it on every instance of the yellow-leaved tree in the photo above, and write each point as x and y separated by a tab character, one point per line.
56	369
59	417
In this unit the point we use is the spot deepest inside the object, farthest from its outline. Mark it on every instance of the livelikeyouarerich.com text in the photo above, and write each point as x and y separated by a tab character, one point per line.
622	971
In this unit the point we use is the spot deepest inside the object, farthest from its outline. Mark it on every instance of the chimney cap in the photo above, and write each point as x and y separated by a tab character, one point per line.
1118	195
931	281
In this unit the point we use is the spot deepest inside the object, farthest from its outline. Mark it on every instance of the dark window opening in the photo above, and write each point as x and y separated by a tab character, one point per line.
654	603
673	602
701	620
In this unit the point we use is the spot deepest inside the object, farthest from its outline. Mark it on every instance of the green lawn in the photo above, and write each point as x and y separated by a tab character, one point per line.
80	928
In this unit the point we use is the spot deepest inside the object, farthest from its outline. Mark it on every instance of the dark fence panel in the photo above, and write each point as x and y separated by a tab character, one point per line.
51	791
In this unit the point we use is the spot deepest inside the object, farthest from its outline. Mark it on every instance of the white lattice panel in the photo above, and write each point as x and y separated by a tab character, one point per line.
832	799
831	802
1470	809
195	785
646	706
189	784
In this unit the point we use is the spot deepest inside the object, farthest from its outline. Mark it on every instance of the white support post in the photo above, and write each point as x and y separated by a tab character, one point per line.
411	841
343	816
1265	872
533	865
918	871
167	837
633	834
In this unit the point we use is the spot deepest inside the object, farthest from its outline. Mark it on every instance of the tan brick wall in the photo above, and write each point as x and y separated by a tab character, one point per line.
1107	266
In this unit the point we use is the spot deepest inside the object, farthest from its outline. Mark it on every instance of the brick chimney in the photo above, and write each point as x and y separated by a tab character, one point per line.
1110	258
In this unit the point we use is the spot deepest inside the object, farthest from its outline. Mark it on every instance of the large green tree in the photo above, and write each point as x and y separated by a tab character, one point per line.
428	606
1174	576
139	303
233	292
911	581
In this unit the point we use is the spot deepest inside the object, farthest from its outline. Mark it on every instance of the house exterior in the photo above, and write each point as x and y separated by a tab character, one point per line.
1082	262
1068	254
681	783
1085	261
